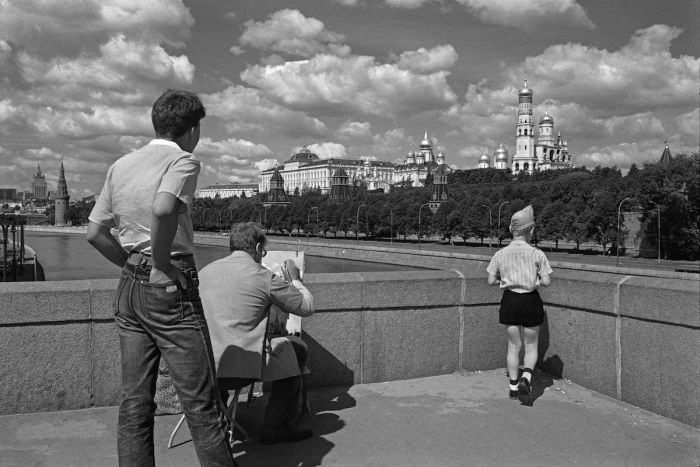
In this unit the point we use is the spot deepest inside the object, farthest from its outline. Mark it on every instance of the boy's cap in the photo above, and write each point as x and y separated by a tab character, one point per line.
522	219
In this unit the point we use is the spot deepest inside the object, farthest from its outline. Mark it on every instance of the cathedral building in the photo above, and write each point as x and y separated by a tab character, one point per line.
306	171
417	165
546	153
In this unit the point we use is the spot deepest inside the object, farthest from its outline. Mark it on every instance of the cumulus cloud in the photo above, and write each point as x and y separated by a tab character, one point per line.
265	164
230	159
531	14
328	150
246	109
333	85
410	4
425	61
642	75
390	144
689	123
354	131
69	24
120	65
290	32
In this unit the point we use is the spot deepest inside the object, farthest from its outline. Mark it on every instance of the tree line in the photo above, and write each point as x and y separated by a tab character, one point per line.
576	205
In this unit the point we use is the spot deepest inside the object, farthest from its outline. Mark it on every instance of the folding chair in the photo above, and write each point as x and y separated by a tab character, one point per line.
230	384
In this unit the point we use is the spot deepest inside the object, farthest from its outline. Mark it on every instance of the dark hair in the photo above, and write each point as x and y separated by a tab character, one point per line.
175	112
244	236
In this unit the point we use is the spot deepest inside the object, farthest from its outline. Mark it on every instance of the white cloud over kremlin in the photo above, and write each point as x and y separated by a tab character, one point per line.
347	78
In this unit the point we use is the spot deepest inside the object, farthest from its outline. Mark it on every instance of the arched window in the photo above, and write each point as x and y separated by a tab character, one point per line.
517	166
526	166
519	132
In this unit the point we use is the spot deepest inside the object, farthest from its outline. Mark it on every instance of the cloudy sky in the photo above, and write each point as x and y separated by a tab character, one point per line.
347	78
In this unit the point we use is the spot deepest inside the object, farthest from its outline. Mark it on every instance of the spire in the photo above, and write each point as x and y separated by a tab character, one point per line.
62	187
665	156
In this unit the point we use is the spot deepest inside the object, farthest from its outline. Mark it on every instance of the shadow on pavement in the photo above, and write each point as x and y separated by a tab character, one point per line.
323	420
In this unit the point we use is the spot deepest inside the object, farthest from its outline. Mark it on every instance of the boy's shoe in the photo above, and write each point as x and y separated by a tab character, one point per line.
524	393
513	394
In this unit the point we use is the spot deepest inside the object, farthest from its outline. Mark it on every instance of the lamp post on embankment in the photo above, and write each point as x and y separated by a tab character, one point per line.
499	221
490	225
391	223
617	238
357	223
419	210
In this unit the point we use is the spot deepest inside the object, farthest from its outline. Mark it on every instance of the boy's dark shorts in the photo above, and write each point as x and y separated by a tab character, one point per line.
524	309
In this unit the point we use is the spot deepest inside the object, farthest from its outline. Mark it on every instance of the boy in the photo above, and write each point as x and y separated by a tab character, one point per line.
519	269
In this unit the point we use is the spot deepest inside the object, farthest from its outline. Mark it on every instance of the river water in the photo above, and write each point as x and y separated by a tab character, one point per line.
68	256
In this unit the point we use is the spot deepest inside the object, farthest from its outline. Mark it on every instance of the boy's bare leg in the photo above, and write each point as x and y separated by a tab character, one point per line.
530	336
514	344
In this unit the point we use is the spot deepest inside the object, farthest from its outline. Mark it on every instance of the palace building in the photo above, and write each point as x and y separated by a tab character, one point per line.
228	190
306	171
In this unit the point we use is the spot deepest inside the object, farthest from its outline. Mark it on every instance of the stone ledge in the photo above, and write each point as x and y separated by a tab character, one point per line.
658	299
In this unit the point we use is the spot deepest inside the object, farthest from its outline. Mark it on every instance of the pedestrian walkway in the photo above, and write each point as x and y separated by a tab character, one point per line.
449	420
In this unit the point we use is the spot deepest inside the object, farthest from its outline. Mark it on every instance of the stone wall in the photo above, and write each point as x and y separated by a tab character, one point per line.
632	338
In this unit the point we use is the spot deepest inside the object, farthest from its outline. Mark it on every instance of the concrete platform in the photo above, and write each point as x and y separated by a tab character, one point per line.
450	420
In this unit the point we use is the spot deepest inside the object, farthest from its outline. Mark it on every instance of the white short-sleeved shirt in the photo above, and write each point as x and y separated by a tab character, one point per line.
518	266
131	186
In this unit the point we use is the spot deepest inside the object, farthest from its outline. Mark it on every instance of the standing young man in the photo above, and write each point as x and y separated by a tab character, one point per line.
147	197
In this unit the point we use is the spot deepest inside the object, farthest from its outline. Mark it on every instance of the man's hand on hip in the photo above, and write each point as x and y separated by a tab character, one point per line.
166	274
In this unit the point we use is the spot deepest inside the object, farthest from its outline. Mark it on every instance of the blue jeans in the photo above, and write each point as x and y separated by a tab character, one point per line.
155	320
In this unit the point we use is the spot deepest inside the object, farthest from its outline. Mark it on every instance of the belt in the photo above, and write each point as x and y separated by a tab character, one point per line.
143	260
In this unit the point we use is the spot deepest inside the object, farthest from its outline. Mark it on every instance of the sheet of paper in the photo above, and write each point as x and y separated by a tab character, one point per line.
273	261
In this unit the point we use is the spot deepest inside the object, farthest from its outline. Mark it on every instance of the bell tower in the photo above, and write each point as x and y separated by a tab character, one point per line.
524	158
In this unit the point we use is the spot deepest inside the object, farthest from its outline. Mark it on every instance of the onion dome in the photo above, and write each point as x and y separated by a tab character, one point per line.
546	119
484	157
426	143
501	154
525	91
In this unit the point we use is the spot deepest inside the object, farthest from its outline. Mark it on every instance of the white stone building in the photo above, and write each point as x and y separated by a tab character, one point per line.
306	171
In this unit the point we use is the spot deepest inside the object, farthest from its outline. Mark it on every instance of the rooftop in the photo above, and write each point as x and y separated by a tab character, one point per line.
449	420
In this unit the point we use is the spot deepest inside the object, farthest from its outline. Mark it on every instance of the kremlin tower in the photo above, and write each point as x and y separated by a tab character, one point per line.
62	198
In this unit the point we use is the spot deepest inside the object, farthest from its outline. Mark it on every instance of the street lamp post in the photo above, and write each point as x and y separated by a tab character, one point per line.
220	225
230	216
204	219
357	223
499	221
308	215
265	216
419	210
391	223
490	225
658	232
617	239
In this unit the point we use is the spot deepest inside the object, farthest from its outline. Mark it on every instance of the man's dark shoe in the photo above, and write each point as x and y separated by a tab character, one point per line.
524	393
284	435
513	394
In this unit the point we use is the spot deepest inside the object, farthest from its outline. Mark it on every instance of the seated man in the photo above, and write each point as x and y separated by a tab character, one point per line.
237	293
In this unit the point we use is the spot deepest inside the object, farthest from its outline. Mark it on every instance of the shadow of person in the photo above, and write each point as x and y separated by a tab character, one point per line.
540	381
310	452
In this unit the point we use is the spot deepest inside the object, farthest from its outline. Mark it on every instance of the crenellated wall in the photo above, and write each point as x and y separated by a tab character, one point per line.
632	338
